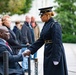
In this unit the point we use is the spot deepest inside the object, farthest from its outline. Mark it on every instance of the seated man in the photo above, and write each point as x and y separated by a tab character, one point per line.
14	67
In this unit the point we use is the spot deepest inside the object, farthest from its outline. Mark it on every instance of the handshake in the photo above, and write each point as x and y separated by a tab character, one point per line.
26	52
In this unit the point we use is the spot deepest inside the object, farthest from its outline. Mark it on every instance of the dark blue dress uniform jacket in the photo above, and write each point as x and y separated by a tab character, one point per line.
52	51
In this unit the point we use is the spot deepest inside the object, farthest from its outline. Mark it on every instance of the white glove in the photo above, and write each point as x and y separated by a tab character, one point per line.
55	62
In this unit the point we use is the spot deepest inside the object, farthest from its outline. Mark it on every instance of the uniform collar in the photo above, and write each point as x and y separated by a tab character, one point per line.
51	20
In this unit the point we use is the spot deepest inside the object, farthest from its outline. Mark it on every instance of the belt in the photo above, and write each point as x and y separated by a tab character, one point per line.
47	41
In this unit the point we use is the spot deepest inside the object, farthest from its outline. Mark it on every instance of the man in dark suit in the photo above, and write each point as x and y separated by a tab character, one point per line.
28	37
27	31
14	67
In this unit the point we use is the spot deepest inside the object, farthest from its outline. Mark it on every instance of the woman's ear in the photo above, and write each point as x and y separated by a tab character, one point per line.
49	16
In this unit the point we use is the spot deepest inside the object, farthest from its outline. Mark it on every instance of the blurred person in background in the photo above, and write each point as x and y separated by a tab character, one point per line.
28	39
35	28
17	31
27	31
36	32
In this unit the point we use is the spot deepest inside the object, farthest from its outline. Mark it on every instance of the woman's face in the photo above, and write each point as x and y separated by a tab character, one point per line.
44	17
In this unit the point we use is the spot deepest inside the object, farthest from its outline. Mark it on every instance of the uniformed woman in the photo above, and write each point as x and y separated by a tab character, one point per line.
51	37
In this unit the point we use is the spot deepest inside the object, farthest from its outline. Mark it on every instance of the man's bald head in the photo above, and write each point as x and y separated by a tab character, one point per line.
3	28
4	33
28	18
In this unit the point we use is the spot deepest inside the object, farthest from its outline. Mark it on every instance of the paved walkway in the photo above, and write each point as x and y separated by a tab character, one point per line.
70	51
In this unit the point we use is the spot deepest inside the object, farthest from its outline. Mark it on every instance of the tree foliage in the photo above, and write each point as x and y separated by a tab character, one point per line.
66	15
27	6
15	6
3	6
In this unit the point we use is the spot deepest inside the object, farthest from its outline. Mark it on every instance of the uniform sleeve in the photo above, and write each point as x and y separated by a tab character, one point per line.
34	47
57	42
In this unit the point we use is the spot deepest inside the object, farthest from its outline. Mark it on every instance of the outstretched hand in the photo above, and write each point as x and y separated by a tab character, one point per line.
27	52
